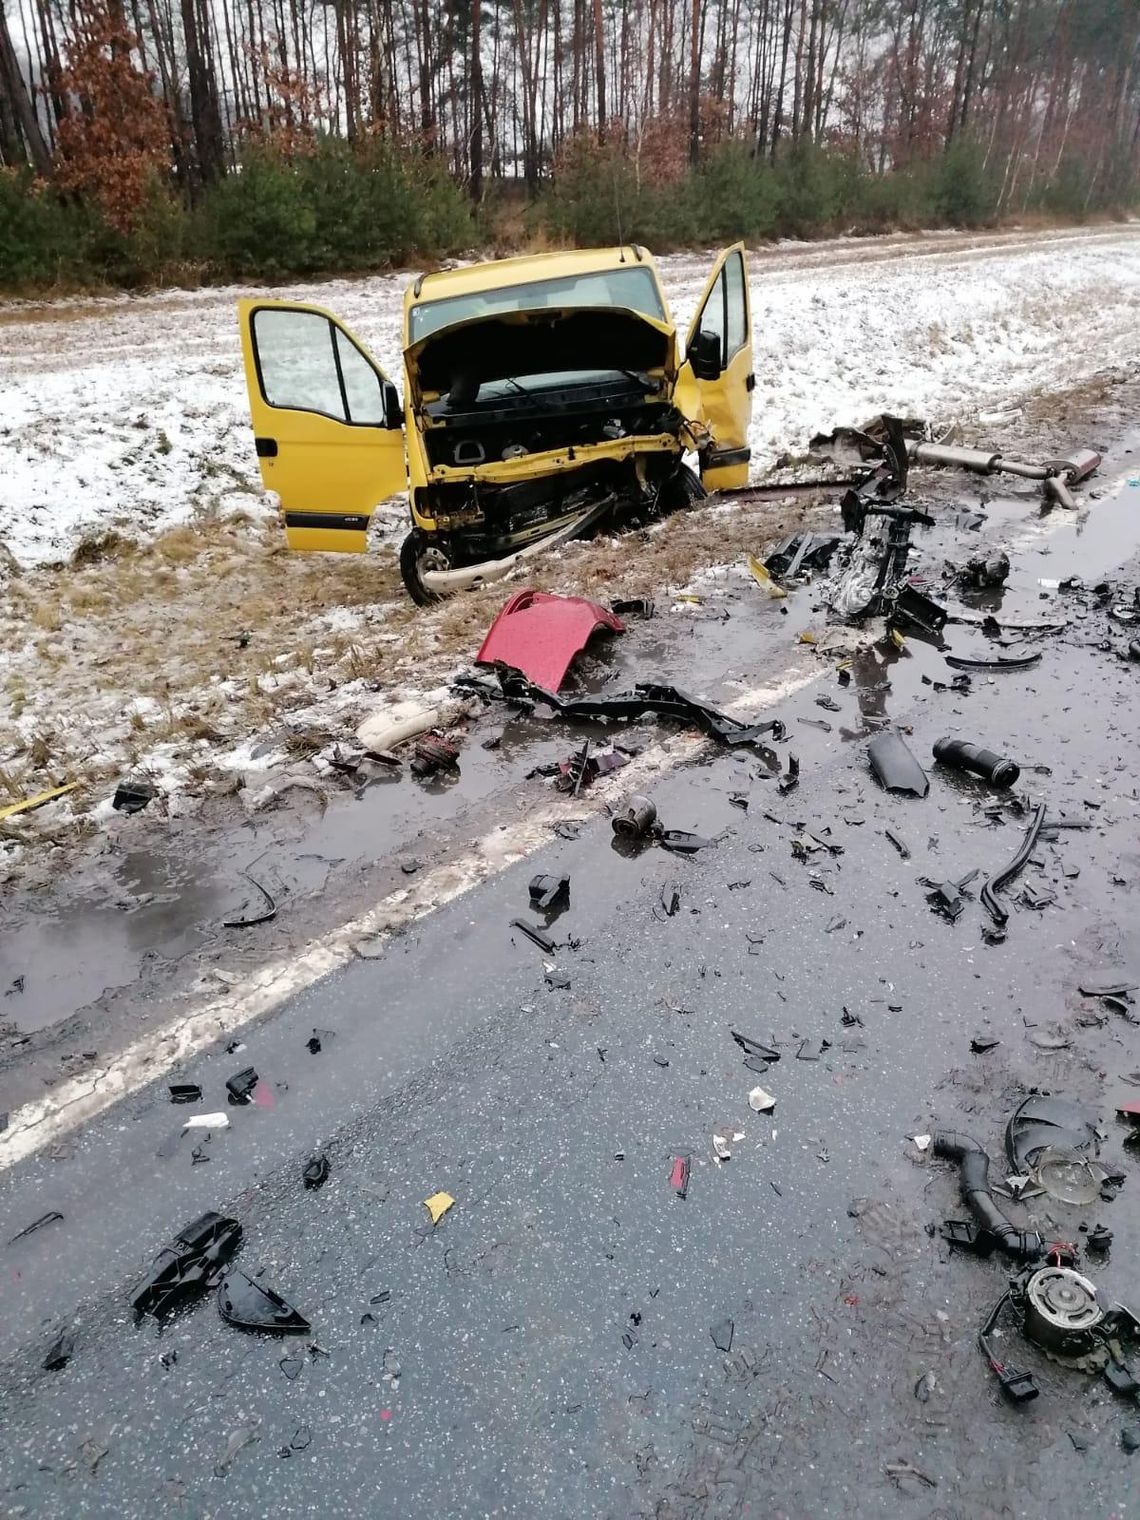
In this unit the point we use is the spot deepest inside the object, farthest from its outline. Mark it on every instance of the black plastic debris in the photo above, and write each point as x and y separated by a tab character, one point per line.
1003	662
53	1216
985	570
895	766
557	978
191	1263
682	842
722	1333
316	1172
899	843
291	1366
535	935
829	704
645	700
991	767
246	1304
992	1227
981	1043
133	795
60	1353
994	885
185	1092
670	898
1130	1439
791	777
946	897
754	1048
788	559
547	892
633	606
1043	1123
251	920
241	1085
1098	1240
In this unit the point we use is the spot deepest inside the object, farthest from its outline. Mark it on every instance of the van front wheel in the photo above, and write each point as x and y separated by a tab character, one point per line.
418	555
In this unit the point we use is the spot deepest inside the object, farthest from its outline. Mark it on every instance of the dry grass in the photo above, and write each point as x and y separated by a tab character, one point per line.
213	634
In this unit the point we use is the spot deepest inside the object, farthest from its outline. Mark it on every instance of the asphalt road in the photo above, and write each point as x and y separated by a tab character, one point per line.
546	1349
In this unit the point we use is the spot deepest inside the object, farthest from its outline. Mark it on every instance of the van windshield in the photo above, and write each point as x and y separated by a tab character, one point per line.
634	287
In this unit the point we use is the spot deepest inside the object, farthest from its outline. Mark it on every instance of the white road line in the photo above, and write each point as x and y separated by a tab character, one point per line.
81	1099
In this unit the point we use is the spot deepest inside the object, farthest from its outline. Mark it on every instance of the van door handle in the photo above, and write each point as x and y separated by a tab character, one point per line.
266	448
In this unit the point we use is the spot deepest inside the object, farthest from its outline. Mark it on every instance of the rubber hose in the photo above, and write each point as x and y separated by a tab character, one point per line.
974	1180
992	767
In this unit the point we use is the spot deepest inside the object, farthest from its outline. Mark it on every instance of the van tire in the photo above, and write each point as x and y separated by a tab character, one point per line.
413	552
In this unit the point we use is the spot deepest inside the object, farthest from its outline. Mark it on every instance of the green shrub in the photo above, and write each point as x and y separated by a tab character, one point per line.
963	192
734	194
43	238
258	220
817	187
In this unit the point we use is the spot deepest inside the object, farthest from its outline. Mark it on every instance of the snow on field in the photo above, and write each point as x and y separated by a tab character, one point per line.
130	412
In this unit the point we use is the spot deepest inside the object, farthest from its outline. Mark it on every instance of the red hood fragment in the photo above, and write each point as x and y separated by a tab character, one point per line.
540	634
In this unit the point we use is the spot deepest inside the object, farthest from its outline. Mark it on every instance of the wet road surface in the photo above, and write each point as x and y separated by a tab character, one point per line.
545	1350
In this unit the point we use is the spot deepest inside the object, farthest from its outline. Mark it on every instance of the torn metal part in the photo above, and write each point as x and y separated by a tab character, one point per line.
789	558
267	914
133	795
547	892
191	1263
1003	662
250	1306
895	766
539	634
535	935
974	1173
963	756
447	582
645	700
1006	875
316	1172
240	1086
679	1176
985	570
434	753
637	819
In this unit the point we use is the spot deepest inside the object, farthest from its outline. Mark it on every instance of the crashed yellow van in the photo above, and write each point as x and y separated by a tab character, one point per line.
541	396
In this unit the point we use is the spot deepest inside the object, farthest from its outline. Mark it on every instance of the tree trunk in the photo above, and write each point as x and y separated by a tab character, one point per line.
14	89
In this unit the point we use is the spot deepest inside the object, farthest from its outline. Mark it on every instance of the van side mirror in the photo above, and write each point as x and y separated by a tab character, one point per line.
393	412
705	355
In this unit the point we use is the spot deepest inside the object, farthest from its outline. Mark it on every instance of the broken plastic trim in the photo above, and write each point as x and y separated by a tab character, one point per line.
268	913
1019	662
249	1306
995	883
895	765
191	1263
1025	1245
644	700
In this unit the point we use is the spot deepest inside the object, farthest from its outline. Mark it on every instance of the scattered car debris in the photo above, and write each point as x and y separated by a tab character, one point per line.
670	898
437	1205
539	634
191	1263
895	766
984	571
791	777
247	1304
645	700
787	559
185	1092
1017	864
899	843
267	914
548	892
992	1228
946	897
240	1086
316	1172
535	935
433	753
634	606
37	800
207	1121
763	579
991	767
679	1176
555	977
637	819
722	1333
900	1469
1003	662
761	1102
754	1049
133	795
60	1353
53	1216
981	1043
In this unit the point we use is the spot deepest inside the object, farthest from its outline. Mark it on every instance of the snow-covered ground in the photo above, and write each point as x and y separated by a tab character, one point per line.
130	412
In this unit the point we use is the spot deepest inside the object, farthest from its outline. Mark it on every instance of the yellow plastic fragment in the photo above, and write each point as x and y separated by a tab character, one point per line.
26	804
807	637
762	578
437	1205
897	639
688	596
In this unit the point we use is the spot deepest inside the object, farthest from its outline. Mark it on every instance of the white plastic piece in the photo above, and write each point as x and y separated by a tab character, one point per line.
208	1121
760	1101
922	1141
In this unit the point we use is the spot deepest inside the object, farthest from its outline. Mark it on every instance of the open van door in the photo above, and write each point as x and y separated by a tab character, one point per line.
718	370
327	423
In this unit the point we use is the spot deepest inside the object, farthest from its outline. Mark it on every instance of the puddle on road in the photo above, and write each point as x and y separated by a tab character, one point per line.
153	907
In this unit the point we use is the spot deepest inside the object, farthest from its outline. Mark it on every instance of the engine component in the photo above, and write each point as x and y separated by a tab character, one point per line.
636	819
1061	1311
974	1180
